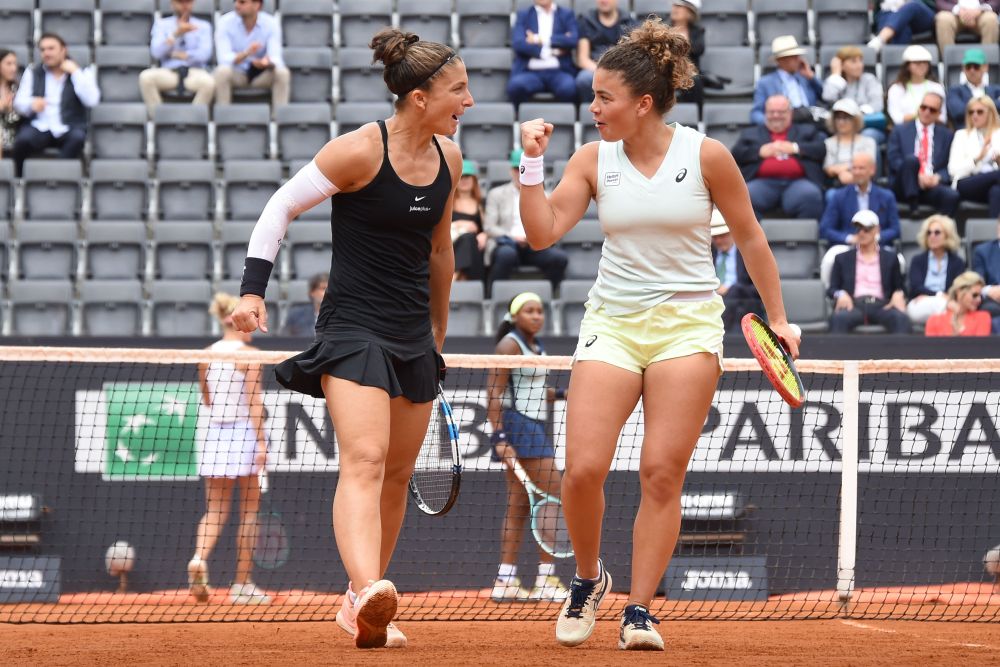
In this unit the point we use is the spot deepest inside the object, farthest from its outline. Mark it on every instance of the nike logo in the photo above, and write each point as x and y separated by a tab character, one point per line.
420	198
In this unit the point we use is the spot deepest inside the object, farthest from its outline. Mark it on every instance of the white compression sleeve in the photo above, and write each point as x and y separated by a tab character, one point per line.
300	193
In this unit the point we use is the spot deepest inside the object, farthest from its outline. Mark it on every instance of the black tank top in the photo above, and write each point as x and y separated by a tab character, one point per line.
379	277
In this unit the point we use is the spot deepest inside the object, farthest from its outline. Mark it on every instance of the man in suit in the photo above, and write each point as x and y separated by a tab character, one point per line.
836	227
986	262
543	39
301	319
735	286
794	79
782	163
918	159
866	285
974	67
507	246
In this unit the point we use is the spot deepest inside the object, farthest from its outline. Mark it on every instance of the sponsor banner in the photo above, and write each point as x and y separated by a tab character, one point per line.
717	578
29	579
153	431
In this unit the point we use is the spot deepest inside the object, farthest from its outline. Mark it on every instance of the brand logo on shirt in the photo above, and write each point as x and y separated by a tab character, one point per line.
419	209
681	174
420	198
612	178
590	341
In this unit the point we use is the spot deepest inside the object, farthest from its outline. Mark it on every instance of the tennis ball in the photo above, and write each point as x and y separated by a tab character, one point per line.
796	329
991	561
119	558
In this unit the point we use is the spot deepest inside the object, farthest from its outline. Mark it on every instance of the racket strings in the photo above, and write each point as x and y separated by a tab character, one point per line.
433	474
776	358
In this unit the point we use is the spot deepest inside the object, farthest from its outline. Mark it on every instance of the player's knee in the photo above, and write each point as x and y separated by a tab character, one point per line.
662	483
364	465
582	477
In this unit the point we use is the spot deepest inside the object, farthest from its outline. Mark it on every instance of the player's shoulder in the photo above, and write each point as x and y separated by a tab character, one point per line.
352	158
452	153
585	156
713	151
507	345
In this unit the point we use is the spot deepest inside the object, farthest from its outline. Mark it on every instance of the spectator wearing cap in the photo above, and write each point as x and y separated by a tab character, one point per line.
735	286
507	245
932	271
782	163
916	78
845	141
249	52
794	79
986	262
467	236
897	21
600	29
975	82
973	160
976	16
918	159
867	285
848	80
685	16
182	44
301	320
543	40
962	317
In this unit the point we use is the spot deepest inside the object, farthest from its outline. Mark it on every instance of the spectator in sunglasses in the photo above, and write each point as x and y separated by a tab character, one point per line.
918	159
975	82
933	271
973	163
963	317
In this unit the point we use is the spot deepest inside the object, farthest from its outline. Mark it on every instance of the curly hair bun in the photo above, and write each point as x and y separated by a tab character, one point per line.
668	49
390	45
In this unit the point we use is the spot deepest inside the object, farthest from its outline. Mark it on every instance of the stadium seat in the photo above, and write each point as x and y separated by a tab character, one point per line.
119	190
489	70
486	131
319	212
181	250
806	303
842	21
352	115
39	308
181	131
497	173
724	122
466	314
115	249
203	9
572	297
643	8
431	19
242	131
774	18
302	130
735	63
503	291
795	245
5	243
726	24
307	22
110	308
311	73
233	241
767	64
46	250
16	22
954	53
179	308
483	23
360	80
73	20
582	245
310	249
562	143
186	190
249	184
685	114
979	230
360	19
892	60
118	69
6	189
909	230
127	22
118	131
52	189
297	294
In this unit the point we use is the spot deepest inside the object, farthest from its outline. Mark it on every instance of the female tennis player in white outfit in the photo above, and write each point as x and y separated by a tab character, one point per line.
652	329
234	450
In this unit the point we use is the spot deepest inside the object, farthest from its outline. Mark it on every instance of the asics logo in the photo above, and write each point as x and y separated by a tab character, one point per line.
420	198
590	341
681	174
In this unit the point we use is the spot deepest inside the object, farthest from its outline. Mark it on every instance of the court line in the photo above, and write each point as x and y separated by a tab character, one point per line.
862	626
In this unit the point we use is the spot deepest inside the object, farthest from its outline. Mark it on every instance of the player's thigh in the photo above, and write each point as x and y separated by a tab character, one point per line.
408	423
360	419
249	494
219	493
601	398
543	472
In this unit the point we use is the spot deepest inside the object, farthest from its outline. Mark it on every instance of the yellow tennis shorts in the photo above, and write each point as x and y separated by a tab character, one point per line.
668	330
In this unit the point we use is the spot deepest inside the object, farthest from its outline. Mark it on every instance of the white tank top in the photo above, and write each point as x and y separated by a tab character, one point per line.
226	386
658	230
528	384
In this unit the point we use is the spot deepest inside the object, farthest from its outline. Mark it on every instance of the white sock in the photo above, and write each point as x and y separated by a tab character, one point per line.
507	572
351	595
546	569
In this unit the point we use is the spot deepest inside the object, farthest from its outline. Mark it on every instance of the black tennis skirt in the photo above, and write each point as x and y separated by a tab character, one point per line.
407	368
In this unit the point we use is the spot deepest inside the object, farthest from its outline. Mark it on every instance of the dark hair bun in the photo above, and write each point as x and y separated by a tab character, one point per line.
668	49
390	45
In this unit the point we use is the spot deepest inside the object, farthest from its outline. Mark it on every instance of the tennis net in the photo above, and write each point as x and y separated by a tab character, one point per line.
878	499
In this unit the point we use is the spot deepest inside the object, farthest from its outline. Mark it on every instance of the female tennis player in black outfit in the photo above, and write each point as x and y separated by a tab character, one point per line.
383	319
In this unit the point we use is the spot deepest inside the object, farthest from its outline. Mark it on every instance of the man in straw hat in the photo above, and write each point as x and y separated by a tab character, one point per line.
794	79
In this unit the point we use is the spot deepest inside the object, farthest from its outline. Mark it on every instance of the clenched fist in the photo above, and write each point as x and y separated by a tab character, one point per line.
250	314
535	136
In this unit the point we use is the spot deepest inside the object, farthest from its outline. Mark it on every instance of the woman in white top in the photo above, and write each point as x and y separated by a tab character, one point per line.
653	327
915	79
234	451
972	162
845	140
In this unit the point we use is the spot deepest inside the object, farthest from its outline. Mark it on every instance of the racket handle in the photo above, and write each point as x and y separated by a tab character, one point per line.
262	481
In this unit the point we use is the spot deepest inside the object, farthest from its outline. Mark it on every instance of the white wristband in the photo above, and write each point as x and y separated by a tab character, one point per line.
532	170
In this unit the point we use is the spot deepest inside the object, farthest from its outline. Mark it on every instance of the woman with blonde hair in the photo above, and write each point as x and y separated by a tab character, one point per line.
234	451
972	162
932	271
963	317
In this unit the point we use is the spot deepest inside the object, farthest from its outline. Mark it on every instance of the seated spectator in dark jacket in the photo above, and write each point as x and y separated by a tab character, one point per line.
986	262
600	29
735	287
684	17
782	163
932	271
975	83
918	159
866	285
794	79
54	97
544	37
301	320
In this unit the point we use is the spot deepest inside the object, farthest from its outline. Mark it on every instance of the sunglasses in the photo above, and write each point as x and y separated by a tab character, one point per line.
972	66
925	107
859	228
978	112
934	232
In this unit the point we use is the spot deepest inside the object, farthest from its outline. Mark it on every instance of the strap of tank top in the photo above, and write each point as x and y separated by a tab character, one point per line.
385	139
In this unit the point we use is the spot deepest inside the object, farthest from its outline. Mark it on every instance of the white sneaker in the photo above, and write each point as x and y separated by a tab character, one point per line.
875	43
551	591
198	579
508	590
373	614
576	620
636	633
347	619
248	593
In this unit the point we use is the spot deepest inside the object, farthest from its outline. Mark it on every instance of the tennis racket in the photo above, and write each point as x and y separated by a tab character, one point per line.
272	547
548	525
437	473
774	359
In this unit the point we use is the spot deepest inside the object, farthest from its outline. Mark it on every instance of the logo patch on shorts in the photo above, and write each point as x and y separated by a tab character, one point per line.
681	174
590	341
612	178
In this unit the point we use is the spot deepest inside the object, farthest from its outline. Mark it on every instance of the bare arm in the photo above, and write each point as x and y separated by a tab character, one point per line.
499	377
729	192
583	59
255	401
442	260
203	383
